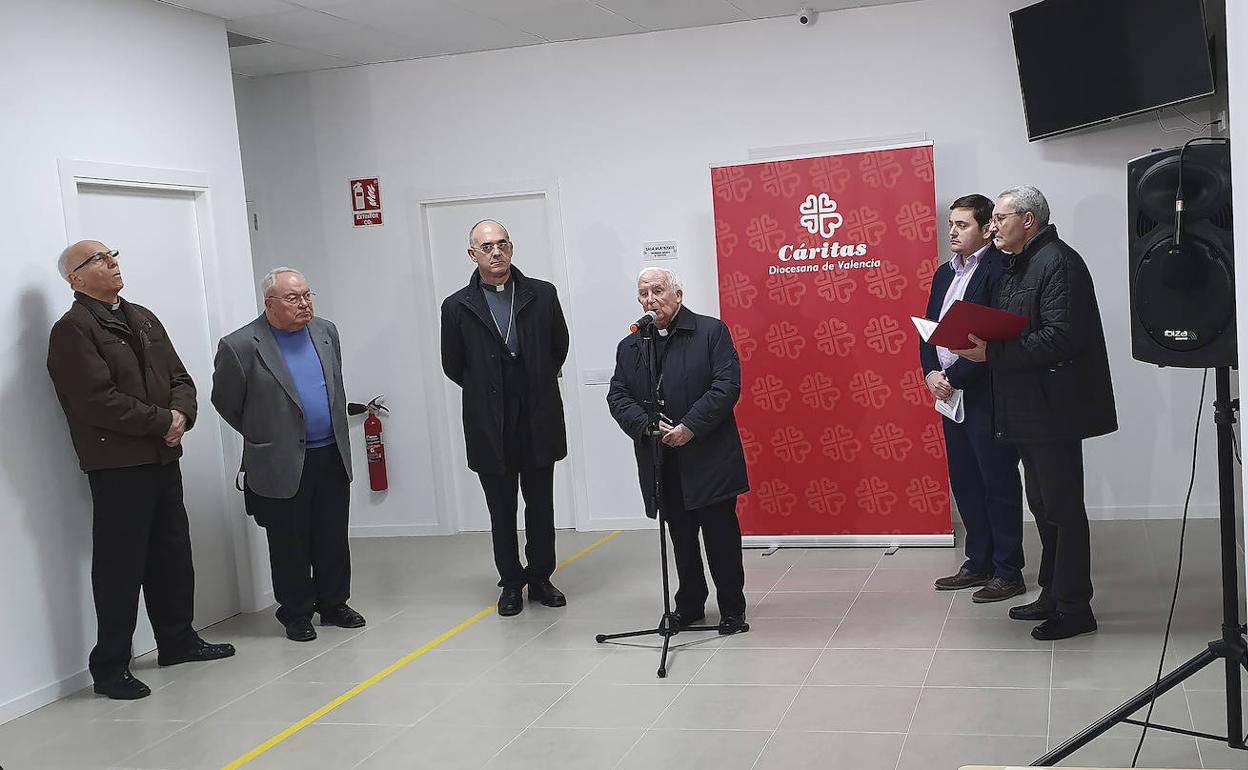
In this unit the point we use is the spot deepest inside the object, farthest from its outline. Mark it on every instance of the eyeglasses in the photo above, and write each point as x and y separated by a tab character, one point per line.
295	300
488	248
98	256
999	218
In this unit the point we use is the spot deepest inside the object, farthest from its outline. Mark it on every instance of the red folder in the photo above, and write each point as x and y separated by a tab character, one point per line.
987	323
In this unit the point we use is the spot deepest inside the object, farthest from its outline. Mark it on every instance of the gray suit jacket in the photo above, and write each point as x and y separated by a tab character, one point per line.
253	391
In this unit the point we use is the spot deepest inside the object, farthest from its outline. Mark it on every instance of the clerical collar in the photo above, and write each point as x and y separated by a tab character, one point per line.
499	287
663	332
115	306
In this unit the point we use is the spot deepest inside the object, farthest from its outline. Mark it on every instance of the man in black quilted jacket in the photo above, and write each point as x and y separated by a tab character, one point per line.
1051	389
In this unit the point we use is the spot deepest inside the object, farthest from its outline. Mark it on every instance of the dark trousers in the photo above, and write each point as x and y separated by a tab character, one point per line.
985	483
309	556
538	487
140	539
518	476
722	534
1053	475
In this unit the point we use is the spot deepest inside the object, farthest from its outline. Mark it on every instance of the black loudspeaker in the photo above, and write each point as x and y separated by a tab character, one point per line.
1182	295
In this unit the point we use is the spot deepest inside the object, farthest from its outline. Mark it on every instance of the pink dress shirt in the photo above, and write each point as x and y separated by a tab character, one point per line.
963	269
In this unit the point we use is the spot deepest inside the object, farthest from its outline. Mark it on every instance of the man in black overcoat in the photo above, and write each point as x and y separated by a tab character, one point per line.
504	340
703	464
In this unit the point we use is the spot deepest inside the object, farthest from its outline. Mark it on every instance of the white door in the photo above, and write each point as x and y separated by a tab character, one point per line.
447	225
157	234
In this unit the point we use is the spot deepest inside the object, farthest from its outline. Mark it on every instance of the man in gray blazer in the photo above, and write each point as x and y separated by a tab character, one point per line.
278	382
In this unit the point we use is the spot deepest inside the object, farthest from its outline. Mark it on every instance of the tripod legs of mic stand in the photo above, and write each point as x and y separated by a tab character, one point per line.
667	627
1230	648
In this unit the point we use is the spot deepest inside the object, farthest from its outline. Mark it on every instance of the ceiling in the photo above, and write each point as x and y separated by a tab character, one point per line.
277	36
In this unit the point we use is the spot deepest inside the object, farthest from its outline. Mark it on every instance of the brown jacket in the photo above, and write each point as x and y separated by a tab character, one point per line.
117	384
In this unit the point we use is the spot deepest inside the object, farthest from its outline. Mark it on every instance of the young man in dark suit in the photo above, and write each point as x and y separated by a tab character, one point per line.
983	475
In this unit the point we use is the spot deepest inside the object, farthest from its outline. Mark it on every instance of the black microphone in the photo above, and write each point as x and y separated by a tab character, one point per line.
644	321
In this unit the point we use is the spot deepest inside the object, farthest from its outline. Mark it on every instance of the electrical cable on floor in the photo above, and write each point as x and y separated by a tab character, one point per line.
1174	599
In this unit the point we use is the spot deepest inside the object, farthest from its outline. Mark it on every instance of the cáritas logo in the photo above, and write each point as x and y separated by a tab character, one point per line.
818	216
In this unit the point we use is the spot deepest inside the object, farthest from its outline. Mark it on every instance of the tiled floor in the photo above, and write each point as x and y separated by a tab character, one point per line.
853	662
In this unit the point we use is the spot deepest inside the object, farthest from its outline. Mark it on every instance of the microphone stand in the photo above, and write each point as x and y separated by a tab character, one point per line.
668	627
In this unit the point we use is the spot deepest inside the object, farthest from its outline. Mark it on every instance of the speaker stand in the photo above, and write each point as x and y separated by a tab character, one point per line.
1230	649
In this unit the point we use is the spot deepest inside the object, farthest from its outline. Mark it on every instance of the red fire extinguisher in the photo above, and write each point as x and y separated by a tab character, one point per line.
374	449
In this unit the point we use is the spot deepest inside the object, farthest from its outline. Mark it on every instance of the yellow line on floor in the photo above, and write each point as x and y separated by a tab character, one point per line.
388	670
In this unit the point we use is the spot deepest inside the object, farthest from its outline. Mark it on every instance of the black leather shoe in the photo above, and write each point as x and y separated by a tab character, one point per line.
964	579
999	590
300	630
342	616
684	619
510	602
1064	625
732	624
1040	609
123	687
198	651
545	592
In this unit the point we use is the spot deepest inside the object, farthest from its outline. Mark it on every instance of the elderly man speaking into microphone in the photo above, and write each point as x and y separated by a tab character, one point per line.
703	464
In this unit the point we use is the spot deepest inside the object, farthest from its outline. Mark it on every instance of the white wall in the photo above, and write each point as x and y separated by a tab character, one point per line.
628	127
118	81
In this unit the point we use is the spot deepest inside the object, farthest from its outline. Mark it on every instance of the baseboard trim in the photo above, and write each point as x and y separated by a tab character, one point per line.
24	704
630	523
626	523
395	530
1106	513
266	600
37	699
1152	512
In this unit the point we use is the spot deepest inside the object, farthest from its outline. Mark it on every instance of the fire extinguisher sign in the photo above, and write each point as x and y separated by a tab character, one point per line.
366	202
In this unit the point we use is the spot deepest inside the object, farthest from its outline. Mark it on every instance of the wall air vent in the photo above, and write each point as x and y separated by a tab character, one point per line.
238	41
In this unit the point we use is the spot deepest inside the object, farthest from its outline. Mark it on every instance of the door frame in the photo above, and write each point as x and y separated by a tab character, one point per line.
75	174
440	416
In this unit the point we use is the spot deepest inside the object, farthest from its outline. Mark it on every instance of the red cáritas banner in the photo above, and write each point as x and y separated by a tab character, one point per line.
822	261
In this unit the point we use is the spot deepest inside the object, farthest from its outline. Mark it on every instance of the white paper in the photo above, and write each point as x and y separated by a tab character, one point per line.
952	407
924	326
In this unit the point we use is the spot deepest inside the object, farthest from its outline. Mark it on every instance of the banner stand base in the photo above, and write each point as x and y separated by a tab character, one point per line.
773	542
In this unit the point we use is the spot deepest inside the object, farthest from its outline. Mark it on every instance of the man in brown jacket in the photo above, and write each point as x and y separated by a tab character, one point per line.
128	401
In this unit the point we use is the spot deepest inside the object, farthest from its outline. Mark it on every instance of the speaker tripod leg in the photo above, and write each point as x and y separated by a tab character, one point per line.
1142	699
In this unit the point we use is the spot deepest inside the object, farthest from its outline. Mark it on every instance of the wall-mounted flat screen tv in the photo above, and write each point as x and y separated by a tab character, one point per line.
1083	62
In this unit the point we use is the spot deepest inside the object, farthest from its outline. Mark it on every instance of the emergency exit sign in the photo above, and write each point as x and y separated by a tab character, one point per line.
366	201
